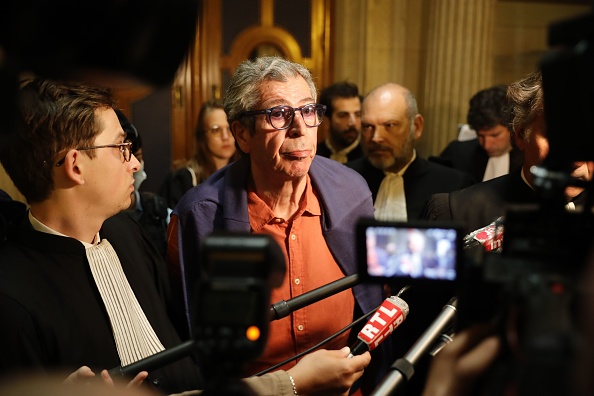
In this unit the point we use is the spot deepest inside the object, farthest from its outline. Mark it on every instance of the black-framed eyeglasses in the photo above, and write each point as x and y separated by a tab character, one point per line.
125	149
281	117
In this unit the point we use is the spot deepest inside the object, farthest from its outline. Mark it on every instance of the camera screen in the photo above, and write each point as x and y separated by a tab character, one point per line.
424	251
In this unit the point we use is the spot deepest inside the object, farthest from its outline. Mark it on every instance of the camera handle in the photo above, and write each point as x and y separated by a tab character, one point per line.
404	368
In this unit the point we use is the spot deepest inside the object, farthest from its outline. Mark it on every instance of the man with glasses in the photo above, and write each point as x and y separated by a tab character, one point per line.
308	203
80	290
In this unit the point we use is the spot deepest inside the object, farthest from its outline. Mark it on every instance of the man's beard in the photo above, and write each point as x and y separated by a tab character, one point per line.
394	162
343	140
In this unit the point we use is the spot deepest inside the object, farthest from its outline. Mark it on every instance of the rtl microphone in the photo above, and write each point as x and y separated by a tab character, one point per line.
384	321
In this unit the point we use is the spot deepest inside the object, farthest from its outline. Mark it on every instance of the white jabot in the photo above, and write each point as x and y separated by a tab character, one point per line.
341	155
466	133
497	166
134	336
390	203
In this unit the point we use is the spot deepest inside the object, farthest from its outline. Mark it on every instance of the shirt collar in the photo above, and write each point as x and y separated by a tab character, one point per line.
345	150
260	214
39	226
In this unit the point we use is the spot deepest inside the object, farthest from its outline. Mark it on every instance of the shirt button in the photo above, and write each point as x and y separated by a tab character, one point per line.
293	236
300	327
297	281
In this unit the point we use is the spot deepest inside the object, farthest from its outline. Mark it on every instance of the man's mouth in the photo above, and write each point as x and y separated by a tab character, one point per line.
297	155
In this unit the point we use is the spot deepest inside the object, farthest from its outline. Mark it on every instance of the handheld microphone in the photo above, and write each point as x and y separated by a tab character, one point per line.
384	321
404	368
155	361
284	308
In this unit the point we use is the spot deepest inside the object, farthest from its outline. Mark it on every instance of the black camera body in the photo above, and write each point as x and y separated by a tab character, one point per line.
232	303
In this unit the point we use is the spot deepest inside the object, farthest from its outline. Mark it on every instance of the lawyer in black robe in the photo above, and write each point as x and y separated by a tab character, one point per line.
53	316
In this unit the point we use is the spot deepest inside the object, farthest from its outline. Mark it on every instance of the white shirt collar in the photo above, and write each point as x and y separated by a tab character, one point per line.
39	226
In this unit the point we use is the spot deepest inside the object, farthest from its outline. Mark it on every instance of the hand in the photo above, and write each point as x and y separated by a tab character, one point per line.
85	373
136	381
81	374
328	372
456	368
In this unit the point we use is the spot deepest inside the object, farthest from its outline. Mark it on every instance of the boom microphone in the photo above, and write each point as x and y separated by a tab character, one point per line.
404	368
384	321
284	308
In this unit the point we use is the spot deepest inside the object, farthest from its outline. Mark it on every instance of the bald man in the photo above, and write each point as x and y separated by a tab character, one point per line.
391	126
401	182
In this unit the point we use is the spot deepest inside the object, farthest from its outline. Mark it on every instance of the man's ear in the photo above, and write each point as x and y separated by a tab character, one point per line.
74	167
242	135
419	122
519	141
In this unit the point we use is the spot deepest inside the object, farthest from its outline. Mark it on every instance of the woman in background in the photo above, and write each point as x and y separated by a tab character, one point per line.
215	148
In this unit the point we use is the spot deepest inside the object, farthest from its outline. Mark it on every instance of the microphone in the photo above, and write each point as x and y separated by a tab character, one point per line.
284	308
490	237
155	361
384	321
404	368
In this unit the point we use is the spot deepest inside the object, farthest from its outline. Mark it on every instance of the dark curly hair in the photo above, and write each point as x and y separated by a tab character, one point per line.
488	108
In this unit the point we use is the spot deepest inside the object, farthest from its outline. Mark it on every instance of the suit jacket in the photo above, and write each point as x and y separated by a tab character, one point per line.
421	180
481	204
220	203
324	151
469	156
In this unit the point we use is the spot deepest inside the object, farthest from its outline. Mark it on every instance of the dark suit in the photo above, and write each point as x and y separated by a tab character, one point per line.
470	157
481	204
421	180
324	151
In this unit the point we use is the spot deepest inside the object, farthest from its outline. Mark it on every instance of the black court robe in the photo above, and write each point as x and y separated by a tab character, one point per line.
53	317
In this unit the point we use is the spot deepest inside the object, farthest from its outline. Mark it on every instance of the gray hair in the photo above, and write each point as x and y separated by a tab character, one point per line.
526	104
411	107
244	90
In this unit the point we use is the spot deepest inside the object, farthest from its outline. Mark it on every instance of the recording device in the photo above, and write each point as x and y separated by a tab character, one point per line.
409	253
231	307
284	308
530	289
390	314
403	369
233	299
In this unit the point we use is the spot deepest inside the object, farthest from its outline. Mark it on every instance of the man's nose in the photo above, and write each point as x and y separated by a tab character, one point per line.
352	119
298	126
134	163
377	134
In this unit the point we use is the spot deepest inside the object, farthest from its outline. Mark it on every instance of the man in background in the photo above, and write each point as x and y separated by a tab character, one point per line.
491	154
400	181
343	115
483	203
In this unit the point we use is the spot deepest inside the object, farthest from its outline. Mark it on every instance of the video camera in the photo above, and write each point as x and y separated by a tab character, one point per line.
530	286
232	302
